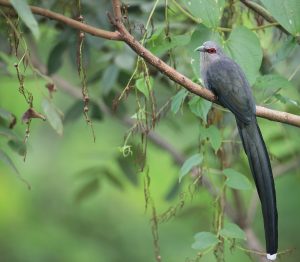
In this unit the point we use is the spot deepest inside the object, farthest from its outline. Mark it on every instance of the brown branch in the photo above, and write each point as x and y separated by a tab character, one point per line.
116	5
124	35
70	22
179	78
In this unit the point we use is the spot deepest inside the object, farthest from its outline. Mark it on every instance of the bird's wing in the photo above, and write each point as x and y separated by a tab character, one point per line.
227	80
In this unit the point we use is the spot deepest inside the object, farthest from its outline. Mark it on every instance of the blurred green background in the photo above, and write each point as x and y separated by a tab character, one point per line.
87	201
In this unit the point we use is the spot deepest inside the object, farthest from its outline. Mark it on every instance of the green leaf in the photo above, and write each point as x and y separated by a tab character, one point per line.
7	160
18	146
178	100
272	81
189	164
24	12
8	133
285	50
287	100
214	136
109	78
128	167
200	107
9	62
9	117
236	180
209	11
286	13
53	116
55	59
74	112
204	240
162	45
231	230
140	115
90	188
243	46
144	85
14	142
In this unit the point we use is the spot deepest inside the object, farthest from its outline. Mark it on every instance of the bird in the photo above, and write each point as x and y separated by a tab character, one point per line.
226	79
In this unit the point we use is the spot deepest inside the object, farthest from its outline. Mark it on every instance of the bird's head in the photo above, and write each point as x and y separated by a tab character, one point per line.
209	50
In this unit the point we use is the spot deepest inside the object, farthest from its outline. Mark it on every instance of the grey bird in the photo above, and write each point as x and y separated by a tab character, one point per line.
227	81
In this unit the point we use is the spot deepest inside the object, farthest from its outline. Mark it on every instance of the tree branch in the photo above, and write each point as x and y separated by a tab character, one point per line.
124	35
116	5
70	22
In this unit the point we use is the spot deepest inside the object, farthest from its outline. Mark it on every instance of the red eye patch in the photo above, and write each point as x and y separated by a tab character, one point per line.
211	50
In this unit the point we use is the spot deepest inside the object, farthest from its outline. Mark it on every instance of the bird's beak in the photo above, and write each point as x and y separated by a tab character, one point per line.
200	48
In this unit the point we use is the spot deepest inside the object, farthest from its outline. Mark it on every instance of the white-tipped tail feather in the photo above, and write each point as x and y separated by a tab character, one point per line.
272	257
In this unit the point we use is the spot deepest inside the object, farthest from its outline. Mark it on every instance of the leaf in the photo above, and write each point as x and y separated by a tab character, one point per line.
189	164
286	13
287	100
161	45
8	133
24	12
127	166
109	78
204	240
285	50
125	60
231	230
243	46
214	136
74	111
53	116
90	188
178	100
18	146
113	179
144	85
209	11
273	81
200	107
96	113
7	160
236	180
8	116
55	58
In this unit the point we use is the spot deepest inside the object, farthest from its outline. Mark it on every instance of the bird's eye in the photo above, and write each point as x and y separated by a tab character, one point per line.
211	50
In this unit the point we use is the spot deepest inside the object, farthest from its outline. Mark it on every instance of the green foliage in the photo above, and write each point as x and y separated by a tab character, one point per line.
273	81
7	160
178	100
244	47
94	191
204	240
236	180
286	13
161	46
209	11
200	107
53	116
109	78
231	230
55	60
191	162
144	85
26	15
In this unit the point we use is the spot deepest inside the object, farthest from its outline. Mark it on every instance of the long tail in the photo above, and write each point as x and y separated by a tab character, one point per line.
259	162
